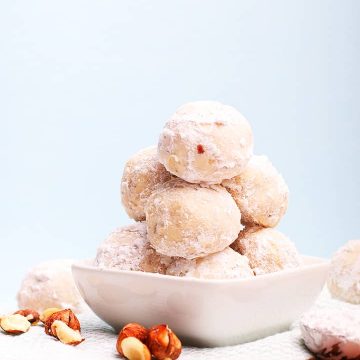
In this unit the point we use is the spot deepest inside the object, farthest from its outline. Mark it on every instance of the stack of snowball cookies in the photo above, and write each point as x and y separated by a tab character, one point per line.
204	205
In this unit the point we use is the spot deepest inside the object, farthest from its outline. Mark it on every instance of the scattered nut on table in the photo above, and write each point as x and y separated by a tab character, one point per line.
135	342
163	343
15	324
66	316
133	330
133	349
31	315
48	312
65	333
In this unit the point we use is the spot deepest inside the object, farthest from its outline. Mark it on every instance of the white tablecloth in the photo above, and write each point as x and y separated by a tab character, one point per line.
100	343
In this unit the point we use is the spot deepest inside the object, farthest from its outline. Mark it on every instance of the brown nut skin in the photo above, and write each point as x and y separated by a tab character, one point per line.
163	343
131	330
31	315
66	316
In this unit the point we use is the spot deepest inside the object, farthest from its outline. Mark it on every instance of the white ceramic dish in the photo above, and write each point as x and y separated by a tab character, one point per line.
203	312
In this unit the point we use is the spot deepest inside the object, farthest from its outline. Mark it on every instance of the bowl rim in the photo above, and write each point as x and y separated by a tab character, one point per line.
316	262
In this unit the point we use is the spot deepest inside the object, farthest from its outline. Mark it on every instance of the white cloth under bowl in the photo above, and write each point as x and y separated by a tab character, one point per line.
101	339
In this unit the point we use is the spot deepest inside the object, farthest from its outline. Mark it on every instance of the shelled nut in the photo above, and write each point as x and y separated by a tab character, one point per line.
15	324
66	316
134	349
65	333
48	312
163	343
31	315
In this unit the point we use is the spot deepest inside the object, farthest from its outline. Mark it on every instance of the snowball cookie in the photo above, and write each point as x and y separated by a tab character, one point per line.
124	248
344	275
268	250
191	220
205	141
50	284
260	193
226	264
332	333
141	174
127	248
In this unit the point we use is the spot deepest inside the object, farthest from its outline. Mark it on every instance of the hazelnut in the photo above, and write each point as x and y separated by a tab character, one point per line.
31	315
131	330
163	343
15	324
66	334
66	316
134	349
48	312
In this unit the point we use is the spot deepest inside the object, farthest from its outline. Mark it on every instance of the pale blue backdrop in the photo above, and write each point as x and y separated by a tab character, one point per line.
85	84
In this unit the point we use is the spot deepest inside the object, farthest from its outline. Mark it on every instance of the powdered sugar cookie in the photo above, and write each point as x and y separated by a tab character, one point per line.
190	220
267	249
332	333
127	248
50	284
205	141
344	276
124	248
226	264
260	192
142	173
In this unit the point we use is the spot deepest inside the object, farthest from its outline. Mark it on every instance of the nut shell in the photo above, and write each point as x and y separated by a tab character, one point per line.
163	343
66	316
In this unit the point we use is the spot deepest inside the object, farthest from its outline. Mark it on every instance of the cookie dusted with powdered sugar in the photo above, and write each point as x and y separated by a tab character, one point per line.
50	284
205	141
142	173
344	276
332	333
226	264
191	220
127	248
267	249
260	192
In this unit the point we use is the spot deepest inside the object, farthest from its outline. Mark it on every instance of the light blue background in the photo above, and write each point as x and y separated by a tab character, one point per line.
85	84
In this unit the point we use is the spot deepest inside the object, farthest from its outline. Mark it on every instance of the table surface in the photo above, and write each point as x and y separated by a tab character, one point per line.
101	339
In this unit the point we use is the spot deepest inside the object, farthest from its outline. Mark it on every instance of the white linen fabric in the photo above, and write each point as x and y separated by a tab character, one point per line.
101	339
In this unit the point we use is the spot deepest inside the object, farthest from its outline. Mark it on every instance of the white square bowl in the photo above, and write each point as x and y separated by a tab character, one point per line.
203	313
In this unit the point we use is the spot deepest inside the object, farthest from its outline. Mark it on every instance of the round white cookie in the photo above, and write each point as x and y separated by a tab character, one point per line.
226	264
344	277
267	249
332	333
190	220
205	141
127	248
142	173
50	284
260	192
